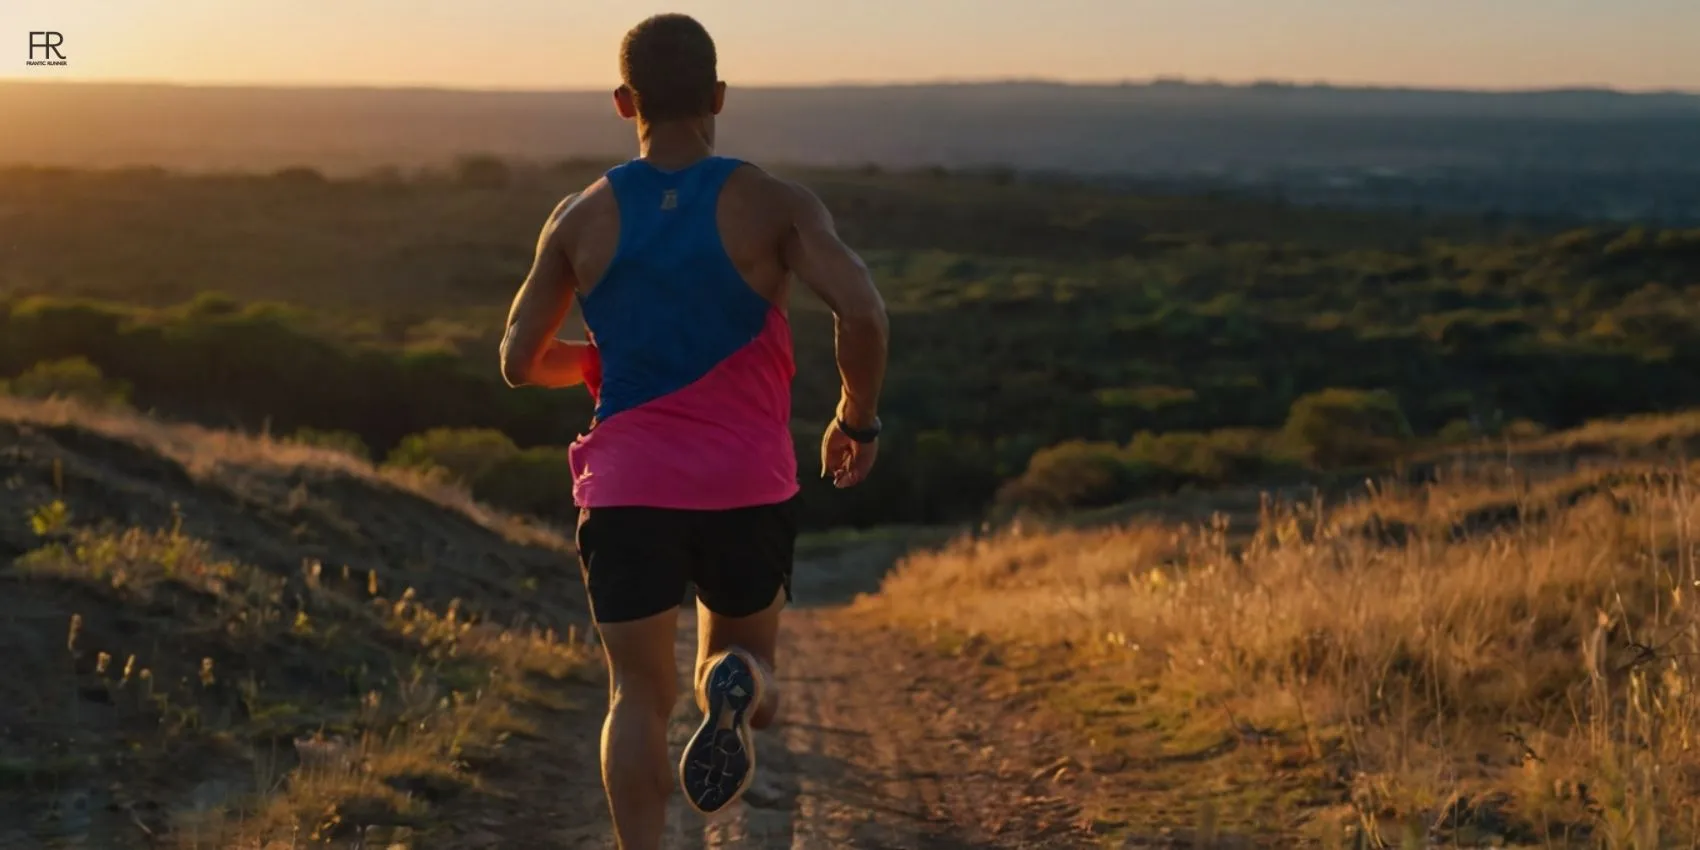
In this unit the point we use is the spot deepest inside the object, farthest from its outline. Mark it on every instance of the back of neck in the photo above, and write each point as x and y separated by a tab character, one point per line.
674	146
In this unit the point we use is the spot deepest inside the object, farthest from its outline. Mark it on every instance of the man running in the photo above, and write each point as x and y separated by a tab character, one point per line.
680	261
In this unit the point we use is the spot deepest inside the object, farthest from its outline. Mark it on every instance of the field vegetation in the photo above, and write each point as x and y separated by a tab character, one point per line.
1505	657
1055	347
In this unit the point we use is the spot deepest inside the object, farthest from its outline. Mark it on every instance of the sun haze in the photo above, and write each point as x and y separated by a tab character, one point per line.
541	44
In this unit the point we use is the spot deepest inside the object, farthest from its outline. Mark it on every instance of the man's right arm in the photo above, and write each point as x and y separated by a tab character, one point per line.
815	253
530	354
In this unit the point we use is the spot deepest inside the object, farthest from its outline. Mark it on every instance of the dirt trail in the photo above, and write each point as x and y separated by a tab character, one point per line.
877	750
881	745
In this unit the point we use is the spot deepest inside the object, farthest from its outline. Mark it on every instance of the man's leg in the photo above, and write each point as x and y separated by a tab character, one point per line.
757	634
635	561
643	684
743	582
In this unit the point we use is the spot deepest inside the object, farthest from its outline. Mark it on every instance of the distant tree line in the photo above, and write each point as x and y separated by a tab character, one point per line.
1052	347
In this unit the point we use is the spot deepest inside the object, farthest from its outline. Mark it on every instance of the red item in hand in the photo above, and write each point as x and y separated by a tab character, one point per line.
593	371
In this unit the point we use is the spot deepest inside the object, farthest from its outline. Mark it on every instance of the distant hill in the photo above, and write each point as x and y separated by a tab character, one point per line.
1158	127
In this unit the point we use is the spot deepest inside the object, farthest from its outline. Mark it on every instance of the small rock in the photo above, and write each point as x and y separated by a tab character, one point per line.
1101	826
1109	763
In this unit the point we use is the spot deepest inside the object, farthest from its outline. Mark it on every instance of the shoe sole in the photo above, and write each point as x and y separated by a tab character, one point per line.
720	760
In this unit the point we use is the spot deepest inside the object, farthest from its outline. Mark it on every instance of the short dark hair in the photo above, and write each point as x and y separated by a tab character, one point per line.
668	64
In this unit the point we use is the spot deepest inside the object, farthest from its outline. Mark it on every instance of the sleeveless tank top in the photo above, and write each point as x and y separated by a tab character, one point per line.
691	368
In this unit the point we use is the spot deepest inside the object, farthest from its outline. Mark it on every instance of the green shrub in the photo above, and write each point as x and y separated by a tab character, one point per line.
1522	429
209	305
463	455
1346	427
1070	475
1178	458
1457	431
72	378
536	481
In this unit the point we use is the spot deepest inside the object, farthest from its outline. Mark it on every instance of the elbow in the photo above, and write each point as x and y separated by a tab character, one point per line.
517	359
516	372
867	320
513	376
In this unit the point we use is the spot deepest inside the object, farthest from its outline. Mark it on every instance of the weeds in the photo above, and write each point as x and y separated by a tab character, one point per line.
330	711
1519	664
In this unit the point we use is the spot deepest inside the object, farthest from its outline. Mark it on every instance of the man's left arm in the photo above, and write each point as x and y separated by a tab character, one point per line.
531	355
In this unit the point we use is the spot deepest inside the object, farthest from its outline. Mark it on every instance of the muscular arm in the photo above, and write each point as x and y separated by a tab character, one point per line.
827	266
531	356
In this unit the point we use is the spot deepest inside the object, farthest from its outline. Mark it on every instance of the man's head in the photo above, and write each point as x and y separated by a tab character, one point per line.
668	73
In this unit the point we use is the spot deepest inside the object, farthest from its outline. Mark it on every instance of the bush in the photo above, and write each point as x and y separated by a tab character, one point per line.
72	378
1229	455
535	481
1074	474
1522	429
1344	427
462	455
1078	475
210	305
1457	431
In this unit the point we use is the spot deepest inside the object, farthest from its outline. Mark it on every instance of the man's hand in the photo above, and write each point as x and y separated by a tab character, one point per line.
813	251
845	461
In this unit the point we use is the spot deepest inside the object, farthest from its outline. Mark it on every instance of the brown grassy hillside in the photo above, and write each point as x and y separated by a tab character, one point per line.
1482	661
223	641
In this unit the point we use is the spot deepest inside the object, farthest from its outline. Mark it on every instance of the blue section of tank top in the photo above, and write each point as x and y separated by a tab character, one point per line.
671	305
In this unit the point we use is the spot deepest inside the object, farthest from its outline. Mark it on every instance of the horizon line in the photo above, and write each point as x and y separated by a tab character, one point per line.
940	82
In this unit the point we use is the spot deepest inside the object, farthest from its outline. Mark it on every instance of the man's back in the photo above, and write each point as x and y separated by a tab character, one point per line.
754	213
681	282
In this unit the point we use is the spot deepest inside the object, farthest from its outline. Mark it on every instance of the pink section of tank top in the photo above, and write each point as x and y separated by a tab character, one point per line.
719	443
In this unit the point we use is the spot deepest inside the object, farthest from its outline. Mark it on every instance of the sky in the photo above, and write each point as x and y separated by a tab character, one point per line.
571	44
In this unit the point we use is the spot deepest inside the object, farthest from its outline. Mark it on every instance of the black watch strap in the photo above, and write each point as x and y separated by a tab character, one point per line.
860	435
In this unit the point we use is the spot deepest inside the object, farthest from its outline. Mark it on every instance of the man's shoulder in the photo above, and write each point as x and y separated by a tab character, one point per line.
587	203
597	194
765	187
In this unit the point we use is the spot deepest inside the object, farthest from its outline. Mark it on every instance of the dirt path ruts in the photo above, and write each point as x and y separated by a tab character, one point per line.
877	749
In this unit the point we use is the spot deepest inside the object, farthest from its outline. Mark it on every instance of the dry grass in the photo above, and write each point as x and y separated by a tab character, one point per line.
1520	664
1631	434
235	686
206	453
314	709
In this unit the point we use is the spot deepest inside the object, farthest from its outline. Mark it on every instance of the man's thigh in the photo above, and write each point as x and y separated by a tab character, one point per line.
636	561
744	558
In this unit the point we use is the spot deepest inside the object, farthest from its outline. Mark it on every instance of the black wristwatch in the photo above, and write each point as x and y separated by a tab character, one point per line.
860	435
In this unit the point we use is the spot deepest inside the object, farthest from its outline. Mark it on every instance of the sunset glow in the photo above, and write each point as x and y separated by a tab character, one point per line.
556	44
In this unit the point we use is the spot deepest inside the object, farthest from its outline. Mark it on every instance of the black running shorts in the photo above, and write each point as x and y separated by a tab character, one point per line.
638	562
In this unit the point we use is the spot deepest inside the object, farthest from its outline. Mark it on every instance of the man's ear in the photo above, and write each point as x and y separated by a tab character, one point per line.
624	103
719	97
